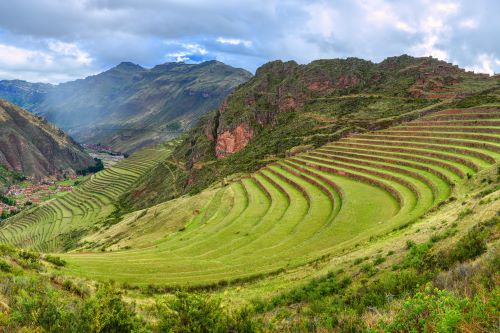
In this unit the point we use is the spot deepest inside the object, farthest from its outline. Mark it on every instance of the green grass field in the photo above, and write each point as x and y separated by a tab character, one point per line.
290	213
54	225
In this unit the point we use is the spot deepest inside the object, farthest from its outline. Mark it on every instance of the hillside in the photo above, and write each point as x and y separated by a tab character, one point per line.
379	214
128	107
287	108
31	146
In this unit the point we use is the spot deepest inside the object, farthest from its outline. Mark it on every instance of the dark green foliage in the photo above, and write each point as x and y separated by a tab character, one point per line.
8	201
420	257
470	246
106	312
98	166
55	260
5	267
199	313
314	290
35	305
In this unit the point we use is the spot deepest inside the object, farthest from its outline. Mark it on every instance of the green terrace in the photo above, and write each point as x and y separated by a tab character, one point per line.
287	214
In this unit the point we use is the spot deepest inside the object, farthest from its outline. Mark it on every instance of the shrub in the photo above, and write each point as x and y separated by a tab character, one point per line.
197	312
378	260
464	213
55	260
106	312
470	246
419	257
5	267
433	310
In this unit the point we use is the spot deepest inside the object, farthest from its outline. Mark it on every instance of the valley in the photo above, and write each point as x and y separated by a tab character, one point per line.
330	195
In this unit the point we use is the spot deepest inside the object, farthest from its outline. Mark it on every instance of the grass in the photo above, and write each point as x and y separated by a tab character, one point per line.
52	226
286	216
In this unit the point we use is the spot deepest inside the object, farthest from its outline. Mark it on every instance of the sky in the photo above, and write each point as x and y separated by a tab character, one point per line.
60	40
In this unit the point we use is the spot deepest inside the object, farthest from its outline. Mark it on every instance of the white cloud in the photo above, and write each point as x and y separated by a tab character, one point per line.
322	19
56	62
234	41
92	35
447	7
17	57
469	24
432	29
70	50
485	64
187	51
383	14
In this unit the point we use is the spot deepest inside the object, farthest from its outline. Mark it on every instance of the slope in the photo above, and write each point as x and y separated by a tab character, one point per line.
287	107
290	213
59	224
128	107
33	147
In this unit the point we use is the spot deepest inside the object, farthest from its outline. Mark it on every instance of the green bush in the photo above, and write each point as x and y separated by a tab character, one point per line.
5	267
106	312
435	310
470	246
419	257
199	313
55	260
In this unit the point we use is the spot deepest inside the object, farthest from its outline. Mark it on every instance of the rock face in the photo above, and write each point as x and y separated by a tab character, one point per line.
33	147
232	141
279	87
128	106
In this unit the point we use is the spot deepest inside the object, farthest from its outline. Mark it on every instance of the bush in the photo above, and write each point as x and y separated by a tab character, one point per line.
5	267
106	312
419	257
197	312
433	310
55	260
470	246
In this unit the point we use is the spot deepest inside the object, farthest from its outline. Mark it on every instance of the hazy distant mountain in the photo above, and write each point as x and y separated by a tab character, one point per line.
33	147
128	106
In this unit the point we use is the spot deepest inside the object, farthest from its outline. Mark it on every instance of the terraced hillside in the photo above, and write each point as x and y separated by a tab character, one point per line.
58	224
291	212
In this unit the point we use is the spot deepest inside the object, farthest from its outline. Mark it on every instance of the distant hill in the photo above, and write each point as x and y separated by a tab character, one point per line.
31	146
128	106
287	108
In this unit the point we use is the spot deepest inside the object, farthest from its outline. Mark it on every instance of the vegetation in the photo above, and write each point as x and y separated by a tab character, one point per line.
392	229
99	166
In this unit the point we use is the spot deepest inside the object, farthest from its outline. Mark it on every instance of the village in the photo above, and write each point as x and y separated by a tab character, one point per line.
31	192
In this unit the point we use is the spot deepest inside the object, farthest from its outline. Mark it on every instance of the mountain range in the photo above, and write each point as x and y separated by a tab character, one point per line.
341	195
128	106
288	107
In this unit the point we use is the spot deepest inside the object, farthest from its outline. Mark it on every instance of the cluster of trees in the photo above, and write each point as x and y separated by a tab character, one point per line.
98	166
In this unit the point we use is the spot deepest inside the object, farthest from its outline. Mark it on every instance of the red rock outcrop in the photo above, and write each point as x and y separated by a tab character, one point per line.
231	141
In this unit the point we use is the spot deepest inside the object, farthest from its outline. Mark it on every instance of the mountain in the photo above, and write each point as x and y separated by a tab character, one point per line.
128	106
25	94
286	108
33	147
338	196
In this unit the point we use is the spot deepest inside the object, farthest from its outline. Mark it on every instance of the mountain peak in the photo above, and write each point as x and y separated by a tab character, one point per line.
127	65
